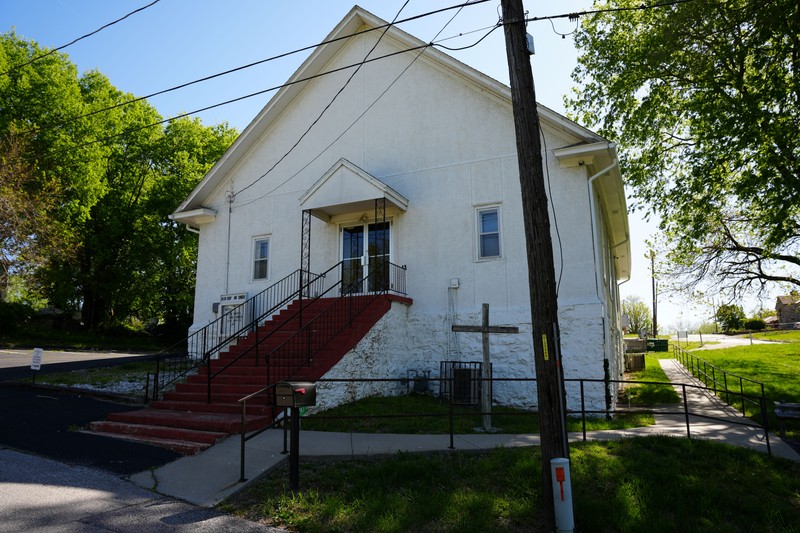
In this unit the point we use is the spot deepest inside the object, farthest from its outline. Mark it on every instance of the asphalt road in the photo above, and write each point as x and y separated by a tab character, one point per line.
38	495
47	423
56	479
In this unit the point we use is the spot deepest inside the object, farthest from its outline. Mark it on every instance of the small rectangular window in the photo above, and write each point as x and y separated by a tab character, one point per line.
488	233
261	258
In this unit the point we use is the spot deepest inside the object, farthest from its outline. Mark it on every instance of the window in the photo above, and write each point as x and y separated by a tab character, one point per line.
488	233
261	258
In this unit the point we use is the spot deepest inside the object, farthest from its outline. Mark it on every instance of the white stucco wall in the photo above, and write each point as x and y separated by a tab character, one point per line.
448	146
404	341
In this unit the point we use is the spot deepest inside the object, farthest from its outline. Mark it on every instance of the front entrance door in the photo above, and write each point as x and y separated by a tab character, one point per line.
365	258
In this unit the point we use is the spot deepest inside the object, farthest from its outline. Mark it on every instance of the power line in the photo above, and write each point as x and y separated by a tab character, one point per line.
358	118
101	28
577	15
325	109
476	43
271	89
237	99
274	88
571	16
250	65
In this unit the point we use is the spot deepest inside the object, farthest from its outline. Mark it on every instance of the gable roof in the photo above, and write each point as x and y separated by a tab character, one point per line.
788	300
590	145
346	188
356	20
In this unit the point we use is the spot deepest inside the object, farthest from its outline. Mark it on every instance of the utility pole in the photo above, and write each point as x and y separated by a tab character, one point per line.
655	292
539	248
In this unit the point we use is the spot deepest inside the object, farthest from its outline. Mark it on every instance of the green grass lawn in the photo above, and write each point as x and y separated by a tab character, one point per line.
778	336
654	484
775	365
646	393
425	414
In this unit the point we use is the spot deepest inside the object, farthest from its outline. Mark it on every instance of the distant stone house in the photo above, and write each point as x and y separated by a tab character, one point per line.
788	308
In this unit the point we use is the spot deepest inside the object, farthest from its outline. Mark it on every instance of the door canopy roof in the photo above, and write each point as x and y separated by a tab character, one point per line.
346	188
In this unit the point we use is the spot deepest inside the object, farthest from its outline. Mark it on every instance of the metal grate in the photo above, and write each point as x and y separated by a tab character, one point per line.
460	381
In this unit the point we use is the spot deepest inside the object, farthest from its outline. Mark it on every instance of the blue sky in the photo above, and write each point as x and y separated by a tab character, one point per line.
176	41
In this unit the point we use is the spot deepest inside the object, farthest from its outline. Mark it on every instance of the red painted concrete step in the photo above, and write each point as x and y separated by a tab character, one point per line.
255	406
220	422
179	446
184	421
143	430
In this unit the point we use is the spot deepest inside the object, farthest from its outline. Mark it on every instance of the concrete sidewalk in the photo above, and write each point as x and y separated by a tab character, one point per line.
207	478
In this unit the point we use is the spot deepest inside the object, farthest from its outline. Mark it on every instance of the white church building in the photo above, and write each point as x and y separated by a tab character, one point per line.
411	166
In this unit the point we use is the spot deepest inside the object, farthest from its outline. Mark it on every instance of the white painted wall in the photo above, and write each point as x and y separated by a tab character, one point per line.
447	145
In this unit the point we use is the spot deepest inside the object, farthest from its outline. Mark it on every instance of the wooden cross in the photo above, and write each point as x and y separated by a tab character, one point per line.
485	329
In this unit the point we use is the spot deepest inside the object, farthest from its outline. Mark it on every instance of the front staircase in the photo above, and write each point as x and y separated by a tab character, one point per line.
195	415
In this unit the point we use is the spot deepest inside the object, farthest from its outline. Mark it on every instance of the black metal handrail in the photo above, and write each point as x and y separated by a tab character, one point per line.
317	326
718	380
316	331
310	284
186	356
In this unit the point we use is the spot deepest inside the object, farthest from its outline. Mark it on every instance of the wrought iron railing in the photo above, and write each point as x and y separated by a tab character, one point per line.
735	390
322	326
183	358
691	412
316	325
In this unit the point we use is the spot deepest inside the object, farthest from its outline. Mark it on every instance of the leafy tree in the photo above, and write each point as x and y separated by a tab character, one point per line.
25	204
39	169
730	317
639	315
113	253
703	98
186	152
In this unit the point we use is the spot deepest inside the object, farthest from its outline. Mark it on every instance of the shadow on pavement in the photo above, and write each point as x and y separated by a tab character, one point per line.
48	423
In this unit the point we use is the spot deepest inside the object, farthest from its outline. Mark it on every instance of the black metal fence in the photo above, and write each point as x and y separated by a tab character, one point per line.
743	393
578	408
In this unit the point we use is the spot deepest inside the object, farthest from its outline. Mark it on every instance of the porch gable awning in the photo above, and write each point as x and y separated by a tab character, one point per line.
346	188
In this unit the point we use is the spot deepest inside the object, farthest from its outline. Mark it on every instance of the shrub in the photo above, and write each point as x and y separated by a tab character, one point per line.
755	324
13	315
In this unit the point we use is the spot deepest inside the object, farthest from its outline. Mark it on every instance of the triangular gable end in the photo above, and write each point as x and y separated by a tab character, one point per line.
346	188
356	20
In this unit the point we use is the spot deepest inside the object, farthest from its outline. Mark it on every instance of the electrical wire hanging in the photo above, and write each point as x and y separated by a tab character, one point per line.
564	35
357	119
328	106
227	102
252	64
275	88
101	28
577	15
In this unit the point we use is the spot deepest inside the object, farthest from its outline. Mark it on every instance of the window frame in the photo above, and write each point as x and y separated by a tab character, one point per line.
256	260
480	233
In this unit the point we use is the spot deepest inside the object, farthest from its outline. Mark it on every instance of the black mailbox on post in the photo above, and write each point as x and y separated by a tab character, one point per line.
295	394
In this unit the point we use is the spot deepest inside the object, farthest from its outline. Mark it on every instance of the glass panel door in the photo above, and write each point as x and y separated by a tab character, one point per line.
352	259
378	257
365	251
